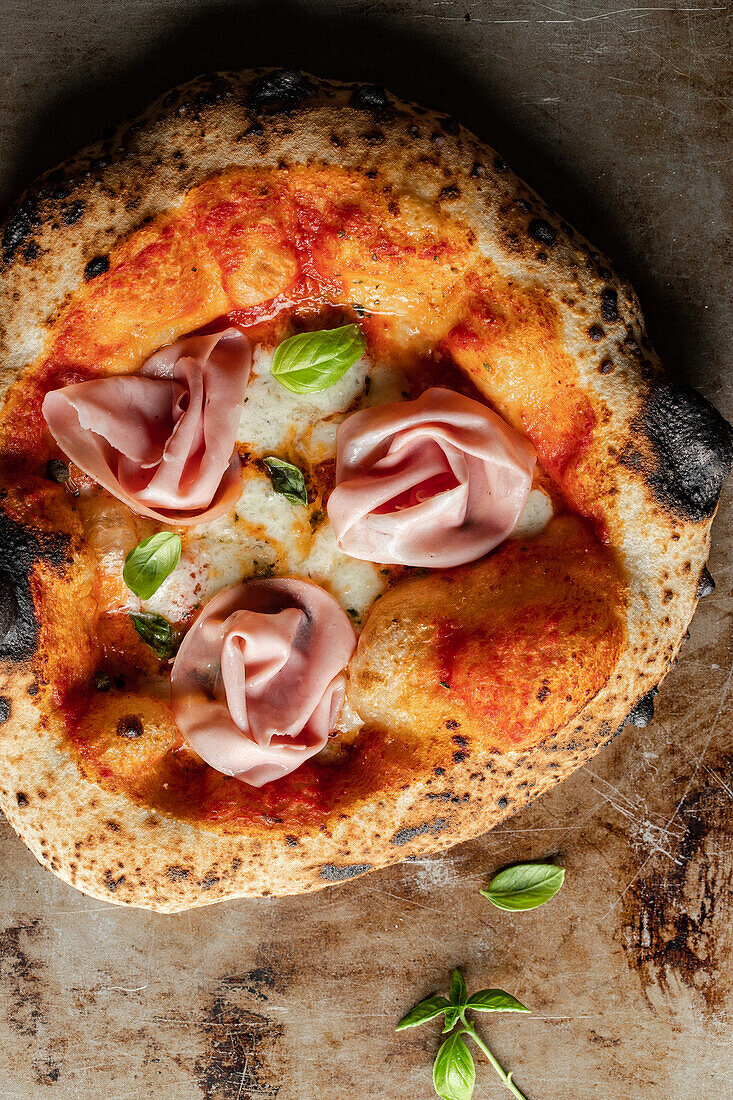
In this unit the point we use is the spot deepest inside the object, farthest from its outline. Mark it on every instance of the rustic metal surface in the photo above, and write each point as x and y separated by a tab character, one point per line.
619	115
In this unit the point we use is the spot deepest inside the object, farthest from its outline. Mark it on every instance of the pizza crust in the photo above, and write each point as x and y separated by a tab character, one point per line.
659	460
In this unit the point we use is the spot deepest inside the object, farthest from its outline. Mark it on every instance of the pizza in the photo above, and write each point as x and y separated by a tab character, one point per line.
345	505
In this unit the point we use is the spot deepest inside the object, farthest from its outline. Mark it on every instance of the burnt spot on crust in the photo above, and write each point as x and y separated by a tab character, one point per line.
541	230
5	709
97	266
20	549
111	882
19	227
70	214
283	90
609	305
432	828
692	447
605	366
331	872
129	726
595	333
643	712
217	89
369	97
21	799
706	584
177	873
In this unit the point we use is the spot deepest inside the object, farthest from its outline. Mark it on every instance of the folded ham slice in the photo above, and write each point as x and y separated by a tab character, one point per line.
258	682
163	440
434	482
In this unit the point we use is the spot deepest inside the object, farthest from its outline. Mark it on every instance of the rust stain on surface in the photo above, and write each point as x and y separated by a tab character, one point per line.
243	1039
679	912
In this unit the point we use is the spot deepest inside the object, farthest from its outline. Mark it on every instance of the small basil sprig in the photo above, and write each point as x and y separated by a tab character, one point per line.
152	560
454	1073
156	632
524	886
287	479
314	361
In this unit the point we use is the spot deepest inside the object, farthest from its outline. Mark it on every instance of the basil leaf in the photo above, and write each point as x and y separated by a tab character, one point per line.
524	886
152	560
287	480
495	1000
156	632
452	1017
422	1012
458	994
313	361
454	1073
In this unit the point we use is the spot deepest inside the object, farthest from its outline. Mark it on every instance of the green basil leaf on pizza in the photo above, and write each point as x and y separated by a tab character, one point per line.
313	361
156	632
152	560
287	480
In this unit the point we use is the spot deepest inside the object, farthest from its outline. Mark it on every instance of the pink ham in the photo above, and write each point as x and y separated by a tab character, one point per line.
434	482
162	441
258	682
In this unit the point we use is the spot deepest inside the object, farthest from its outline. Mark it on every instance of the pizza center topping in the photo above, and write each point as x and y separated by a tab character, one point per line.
259	682
435	482
162	441
242	444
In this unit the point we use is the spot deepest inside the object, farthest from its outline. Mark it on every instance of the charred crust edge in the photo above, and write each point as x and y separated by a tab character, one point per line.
692	450
706	583
404	836
643	712
20	549
279	91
